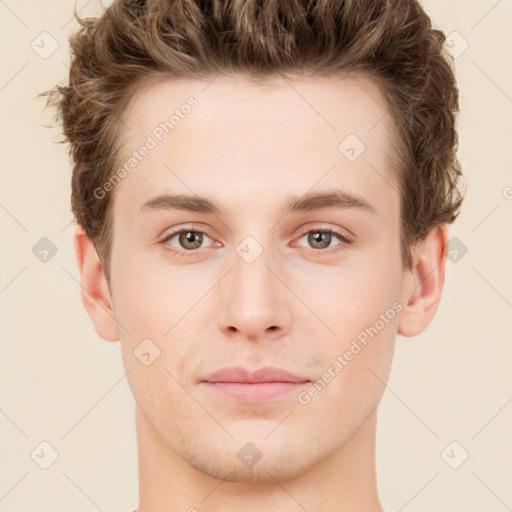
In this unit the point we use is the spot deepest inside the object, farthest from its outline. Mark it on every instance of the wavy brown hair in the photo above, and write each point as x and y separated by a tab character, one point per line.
135	42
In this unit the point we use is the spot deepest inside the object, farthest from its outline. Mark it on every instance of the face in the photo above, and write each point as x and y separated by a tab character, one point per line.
289	259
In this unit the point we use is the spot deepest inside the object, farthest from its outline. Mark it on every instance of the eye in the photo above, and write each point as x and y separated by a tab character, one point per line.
190	240
320	240
187	238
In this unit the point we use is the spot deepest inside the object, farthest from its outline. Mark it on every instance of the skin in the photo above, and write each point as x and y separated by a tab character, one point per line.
249	147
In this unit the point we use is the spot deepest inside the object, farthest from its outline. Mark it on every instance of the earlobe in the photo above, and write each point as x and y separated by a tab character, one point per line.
422	291
94	289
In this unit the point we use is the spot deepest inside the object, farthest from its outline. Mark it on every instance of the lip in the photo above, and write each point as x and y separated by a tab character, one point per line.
257	386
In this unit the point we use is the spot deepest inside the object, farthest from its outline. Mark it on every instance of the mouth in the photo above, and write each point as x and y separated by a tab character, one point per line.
262	385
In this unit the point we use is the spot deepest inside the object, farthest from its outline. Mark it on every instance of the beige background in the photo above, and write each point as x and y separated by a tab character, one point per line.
62	384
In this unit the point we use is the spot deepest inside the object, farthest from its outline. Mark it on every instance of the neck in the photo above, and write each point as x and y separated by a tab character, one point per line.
345	481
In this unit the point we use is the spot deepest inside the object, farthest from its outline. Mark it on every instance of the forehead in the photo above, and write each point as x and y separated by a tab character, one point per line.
240	139
330	105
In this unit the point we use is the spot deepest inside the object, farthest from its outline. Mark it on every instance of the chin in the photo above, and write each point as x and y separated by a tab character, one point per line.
268	471
255	459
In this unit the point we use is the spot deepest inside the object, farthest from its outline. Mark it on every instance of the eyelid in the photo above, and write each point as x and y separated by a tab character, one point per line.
344	234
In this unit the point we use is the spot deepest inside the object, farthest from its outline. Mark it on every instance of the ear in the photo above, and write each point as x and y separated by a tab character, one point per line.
423	287
95	293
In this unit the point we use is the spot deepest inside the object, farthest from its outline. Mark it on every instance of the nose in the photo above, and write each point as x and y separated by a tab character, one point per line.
255	304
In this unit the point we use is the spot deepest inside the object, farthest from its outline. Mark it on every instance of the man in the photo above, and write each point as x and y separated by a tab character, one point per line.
262	193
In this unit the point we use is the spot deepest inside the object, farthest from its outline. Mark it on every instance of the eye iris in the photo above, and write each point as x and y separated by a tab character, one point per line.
319	237
188	237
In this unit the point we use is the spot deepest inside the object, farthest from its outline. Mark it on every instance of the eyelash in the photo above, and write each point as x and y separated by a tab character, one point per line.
344	241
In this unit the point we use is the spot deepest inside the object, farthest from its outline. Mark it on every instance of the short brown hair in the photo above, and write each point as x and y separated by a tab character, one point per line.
135	42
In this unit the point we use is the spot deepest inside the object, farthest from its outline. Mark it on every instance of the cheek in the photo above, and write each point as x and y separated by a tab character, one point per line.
146	301
357	297
161	312
357	362
362	308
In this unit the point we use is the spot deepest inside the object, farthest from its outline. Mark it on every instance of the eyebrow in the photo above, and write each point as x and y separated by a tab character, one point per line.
308	202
